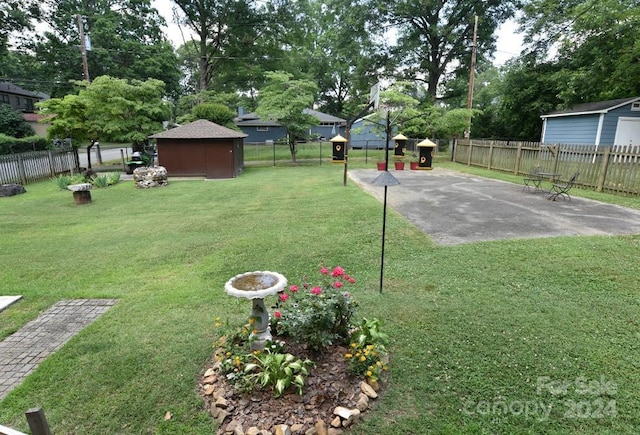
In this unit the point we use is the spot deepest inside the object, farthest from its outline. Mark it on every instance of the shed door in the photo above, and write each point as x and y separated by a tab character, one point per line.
628	131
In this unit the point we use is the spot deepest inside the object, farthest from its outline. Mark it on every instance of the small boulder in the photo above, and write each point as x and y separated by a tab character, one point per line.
11	189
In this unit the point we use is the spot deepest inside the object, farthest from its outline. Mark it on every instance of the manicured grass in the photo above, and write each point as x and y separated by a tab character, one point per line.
478	332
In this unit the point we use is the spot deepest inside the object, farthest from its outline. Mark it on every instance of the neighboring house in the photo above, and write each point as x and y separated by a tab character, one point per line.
367	134
201	149
262	130
613	122
24	101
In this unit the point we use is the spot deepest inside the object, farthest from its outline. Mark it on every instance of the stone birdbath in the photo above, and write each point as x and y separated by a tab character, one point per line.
255	286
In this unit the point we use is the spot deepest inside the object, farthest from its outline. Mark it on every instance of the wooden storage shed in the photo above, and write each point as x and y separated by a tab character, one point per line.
201	149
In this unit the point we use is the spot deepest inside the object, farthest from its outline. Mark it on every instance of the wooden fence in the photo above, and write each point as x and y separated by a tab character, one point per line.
24	168
612	169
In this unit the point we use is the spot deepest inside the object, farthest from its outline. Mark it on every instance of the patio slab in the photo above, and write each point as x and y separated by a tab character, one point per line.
456	208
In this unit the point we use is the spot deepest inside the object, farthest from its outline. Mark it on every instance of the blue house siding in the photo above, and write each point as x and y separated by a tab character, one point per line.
254	135
326	131
577	129
590	123
611	123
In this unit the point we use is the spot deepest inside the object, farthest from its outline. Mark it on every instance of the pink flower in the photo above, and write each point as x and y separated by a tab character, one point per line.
278	314
350	279
293	288
283	297
337	271
316	290
337	284
324	270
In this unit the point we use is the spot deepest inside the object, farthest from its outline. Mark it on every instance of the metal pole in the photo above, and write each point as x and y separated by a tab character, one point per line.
384	229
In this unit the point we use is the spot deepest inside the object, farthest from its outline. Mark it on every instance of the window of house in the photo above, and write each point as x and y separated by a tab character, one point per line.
635	106
262	128
5	98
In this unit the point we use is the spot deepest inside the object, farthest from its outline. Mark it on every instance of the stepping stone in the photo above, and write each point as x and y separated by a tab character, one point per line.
5	301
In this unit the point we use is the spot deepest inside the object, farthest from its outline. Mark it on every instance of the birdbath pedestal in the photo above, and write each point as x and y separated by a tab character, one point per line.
255	286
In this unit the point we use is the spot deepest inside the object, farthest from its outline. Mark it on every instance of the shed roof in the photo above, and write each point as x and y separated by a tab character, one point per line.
200	129
592	108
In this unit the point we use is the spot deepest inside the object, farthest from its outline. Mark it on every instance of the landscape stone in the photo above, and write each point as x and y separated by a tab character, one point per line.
147	177
12	189
368	390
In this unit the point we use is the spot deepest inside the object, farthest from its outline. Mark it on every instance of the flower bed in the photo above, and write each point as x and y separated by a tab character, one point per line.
321	370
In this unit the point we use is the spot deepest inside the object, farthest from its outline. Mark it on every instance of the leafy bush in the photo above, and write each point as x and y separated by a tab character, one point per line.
100	181
11	145
12	122
318	315
367	352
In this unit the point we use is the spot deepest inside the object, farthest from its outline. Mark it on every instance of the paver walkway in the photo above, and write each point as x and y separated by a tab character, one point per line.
21	352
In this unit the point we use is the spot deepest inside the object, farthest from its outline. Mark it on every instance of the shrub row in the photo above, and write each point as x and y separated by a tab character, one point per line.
12	145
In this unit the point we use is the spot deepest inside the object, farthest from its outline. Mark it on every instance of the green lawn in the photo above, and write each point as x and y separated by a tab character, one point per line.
482	335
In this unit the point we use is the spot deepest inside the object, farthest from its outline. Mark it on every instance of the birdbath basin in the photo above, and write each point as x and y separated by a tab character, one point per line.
255	286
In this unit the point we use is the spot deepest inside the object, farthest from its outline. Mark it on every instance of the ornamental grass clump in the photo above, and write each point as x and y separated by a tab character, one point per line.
317	315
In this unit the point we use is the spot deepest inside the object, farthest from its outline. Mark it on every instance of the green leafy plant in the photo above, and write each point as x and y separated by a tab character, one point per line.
367	352
100	181
62	181
317	315
278	371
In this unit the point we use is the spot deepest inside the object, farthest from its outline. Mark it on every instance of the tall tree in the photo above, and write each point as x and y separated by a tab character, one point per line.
435	37
226	32
126	41
284	99
594	44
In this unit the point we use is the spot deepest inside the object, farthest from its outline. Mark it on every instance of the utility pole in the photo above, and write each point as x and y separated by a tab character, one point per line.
472	74
83	48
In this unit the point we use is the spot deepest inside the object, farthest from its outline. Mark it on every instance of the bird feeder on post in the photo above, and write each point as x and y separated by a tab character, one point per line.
425	149
339	145
400	146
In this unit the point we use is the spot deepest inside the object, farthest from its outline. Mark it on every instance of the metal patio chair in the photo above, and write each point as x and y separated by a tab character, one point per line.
562	189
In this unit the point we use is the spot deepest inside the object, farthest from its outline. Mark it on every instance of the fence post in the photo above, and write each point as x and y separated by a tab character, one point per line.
37	422
490	155
51	163
470	151
516	168
21	171
603	169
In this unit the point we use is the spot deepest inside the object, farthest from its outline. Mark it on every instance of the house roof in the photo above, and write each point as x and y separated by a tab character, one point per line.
250	119
9	88
35	117
325	118
592	108
200	129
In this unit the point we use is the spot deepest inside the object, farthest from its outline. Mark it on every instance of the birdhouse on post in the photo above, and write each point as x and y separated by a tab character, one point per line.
339	145
425	158
400	145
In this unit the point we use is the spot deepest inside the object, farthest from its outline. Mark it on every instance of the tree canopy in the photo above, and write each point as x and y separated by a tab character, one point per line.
109	109
284	99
